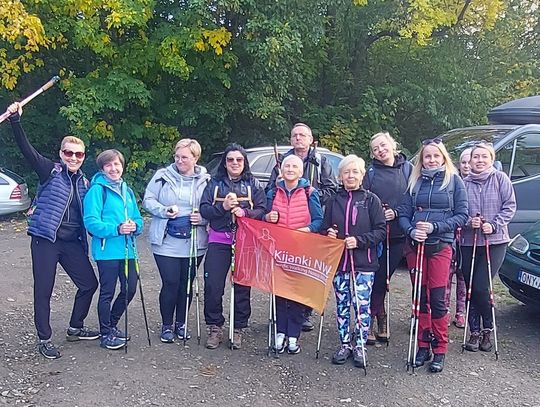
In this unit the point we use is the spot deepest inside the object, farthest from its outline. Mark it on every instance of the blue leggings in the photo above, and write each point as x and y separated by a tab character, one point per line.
344	295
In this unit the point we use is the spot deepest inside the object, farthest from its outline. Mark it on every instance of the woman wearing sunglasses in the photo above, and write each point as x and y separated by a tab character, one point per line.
233	192
434	206
58	235
492	205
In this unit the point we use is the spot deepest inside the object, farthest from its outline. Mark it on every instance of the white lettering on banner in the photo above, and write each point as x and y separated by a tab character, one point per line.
314	268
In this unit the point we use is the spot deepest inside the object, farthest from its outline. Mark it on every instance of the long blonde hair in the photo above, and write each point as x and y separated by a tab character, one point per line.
449	167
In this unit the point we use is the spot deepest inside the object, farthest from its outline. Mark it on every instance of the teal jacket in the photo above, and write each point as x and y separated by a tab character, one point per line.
105	208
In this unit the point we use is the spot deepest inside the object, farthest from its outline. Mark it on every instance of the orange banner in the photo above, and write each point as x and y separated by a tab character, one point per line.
296	265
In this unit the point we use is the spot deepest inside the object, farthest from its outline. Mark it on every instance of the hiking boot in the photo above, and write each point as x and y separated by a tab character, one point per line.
485	343
459	321
342	354
78	334
307	325
112	342
47	349
359	357
180	331
371	339
119	334
280	343
437	364
237	338
473	344
293	348
382	332
215	336
167	334
422	356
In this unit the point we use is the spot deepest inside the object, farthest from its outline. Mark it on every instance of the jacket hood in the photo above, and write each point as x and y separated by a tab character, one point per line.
101	179
400	159
302	183
200	173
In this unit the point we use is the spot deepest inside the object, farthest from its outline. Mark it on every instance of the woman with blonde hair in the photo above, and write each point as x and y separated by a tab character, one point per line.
434	206
387	177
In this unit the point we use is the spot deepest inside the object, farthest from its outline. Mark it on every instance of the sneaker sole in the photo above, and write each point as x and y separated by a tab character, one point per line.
307	328
75	338
339	362
166	340
110	347
58	356
212	346
294	352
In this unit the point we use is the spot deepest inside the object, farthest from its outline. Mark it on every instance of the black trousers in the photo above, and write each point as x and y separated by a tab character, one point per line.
110	272
72	257
216	268
480	306
378	292
174	280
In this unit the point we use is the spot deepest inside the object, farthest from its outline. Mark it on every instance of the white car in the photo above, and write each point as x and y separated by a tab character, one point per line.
13	193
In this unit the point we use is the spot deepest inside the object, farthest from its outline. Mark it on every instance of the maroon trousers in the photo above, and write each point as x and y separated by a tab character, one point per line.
433	319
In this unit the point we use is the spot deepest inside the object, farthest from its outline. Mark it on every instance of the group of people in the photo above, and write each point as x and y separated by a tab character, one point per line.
381	213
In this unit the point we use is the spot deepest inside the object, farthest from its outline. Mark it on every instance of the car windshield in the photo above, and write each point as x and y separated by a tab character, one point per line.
12	175
458	140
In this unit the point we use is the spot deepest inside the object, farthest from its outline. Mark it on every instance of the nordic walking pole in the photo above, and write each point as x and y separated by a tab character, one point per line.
137	270
469	289
491	298
387	283
415	306
197	306
413	302
126	274
192	254
38	92
231	308
418	298
319	336
356	301
270	326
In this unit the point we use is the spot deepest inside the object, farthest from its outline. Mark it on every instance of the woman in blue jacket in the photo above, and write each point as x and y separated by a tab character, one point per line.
433	208
113	219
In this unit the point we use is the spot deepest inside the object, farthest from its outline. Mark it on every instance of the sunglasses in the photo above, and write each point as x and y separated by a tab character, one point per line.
233	159
431	141
79	154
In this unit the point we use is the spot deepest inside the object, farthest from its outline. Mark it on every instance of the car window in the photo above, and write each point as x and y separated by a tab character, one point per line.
526	156
3	181
261	163
12	175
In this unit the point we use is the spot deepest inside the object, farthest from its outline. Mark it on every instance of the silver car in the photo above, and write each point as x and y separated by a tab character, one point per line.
13	193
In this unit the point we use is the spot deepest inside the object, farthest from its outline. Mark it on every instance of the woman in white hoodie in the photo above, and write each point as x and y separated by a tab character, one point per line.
172	197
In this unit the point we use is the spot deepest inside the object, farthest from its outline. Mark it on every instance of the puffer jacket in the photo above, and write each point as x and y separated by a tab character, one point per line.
164	190
105	208
433	205
357	213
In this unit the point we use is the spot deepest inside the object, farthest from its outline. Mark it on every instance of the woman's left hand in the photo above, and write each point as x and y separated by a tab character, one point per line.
195	218
351	243
238	212
487	228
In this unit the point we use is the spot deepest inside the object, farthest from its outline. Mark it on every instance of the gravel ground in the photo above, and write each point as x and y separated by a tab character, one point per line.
171	374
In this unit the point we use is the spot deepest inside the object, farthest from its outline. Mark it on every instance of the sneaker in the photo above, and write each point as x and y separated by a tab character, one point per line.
459	321
473	344
371	339
359	357
293	348
437	364
342	354
237	338
47	349
280	342
485	343
78	334
180	331
120	335
422	356
167	334
112	342
215	336
307	325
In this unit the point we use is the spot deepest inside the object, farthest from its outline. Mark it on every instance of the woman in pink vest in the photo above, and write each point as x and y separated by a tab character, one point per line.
292	204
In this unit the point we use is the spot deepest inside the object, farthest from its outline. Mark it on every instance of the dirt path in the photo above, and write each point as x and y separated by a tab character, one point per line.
171	375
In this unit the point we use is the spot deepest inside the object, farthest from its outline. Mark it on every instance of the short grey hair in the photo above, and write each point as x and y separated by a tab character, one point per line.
352	159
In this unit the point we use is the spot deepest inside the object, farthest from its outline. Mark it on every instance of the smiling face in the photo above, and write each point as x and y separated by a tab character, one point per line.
292	168
69	153
382	150
351	176
465	165
432	157
481	160
113	169
185	161
234	163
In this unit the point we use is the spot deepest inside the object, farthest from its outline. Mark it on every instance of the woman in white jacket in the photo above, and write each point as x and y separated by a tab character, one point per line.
172	197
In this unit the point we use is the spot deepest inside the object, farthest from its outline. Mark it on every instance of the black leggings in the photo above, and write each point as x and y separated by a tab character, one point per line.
174	280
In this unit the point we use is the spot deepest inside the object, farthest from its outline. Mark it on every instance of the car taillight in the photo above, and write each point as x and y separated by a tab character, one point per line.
17	193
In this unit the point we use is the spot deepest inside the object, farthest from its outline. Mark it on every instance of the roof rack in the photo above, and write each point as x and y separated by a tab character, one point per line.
519	111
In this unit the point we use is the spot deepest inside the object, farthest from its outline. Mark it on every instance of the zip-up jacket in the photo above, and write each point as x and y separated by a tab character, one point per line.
433	205
165	189
105	208
389	183
357	213
60	193
494	199
297	208
221	219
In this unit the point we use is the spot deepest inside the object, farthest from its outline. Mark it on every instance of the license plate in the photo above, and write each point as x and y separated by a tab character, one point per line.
529	279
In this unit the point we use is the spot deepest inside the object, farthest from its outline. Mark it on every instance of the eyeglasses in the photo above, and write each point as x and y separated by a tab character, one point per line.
181	158
431	141
237	159
79	154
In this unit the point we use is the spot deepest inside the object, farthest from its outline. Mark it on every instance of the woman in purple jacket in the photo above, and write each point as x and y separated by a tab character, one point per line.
492	206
